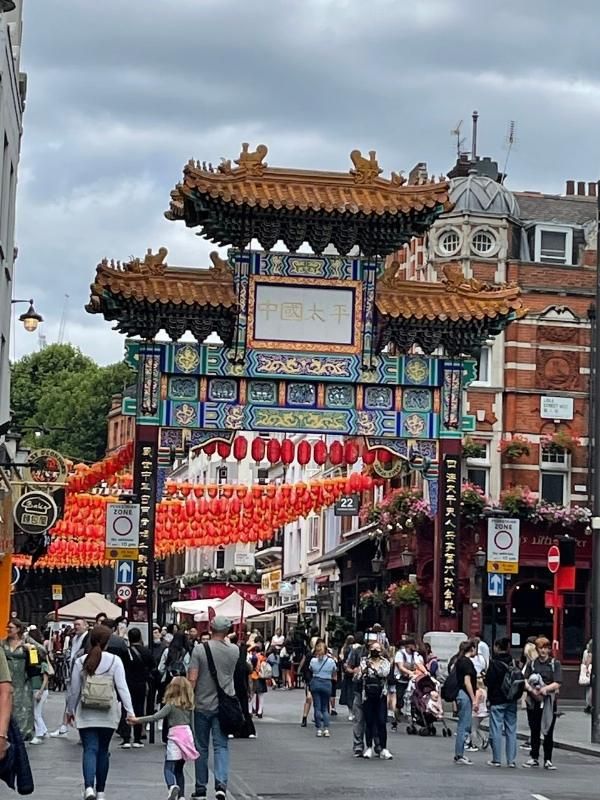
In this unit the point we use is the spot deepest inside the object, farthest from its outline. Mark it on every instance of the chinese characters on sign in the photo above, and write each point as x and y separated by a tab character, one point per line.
145	489
286	313
450	507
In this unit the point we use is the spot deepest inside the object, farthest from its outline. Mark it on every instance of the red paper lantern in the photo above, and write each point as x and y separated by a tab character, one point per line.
350	453
320	453
223	449
210	449
368	456
287	451
303	453
273	451
336	453
258	450
240	448
384	455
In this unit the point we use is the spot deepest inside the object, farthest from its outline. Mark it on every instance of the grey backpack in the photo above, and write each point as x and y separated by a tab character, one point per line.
98	691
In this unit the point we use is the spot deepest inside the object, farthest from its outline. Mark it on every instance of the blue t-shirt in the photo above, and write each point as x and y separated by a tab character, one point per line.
324	667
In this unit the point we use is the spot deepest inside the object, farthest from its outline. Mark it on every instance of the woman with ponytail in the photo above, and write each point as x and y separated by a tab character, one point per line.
97	684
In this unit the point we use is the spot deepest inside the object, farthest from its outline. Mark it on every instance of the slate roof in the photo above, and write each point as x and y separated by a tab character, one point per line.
566	210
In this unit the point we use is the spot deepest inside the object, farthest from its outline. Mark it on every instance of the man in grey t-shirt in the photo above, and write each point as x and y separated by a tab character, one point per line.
206	718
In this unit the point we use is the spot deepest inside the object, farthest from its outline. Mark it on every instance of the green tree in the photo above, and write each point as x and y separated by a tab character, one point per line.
60	388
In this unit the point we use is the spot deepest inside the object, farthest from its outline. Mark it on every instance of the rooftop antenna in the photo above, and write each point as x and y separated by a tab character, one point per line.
474	137
459	142
510	140
63	321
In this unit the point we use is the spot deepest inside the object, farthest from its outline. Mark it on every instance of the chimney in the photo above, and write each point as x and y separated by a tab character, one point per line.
570	187
474	136
581	188
592	186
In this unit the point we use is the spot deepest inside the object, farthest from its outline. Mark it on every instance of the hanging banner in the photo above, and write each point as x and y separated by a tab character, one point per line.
450	513
144	481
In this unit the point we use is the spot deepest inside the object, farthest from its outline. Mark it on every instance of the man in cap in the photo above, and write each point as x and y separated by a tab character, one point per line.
206	714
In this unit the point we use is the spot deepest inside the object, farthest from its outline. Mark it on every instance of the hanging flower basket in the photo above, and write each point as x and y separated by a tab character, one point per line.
561	441
515	448
371	599
519	501
403	593
472	503
472	448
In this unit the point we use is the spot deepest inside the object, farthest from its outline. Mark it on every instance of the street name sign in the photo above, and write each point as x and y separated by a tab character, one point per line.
503	545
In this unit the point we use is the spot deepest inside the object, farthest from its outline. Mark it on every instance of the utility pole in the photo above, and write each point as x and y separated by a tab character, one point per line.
595	438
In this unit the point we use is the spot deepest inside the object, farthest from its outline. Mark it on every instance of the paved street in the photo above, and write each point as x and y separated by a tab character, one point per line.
289	762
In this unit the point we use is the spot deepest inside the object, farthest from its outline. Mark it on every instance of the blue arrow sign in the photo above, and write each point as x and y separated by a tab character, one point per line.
124	572
495	584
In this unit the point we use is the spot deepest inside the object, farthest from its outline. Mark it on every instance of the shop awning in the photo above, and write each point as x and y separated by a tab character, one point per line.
274	610
357	537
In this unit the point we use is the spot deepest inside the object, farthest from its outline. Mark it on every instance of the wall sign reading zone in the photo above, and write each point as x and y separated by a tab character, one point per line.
122	525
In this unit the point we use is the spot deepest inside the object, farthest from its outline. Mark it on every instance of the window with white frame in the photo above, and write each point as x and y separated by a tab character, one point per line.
478	469
553	245
220	558
554	475
483	242
484	367
449	242
314	533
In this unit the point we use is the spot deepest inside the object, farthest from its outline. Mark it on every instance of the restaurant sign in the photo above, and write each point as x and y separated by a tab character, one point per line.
450	508
35	512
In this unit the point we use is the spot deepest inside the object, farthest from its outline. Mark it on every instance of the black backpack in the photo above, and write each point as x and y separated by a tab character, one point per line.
513	683
450	687
373	685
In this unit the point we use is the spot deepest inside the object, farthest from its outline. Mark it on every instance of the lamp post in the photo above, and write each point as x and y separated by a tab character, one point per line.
30	318
595	438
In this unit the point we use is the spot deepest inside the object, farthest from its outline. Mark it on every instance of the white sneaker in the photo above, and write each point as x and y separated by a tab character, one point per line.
137	745
350	718
319	732
100	796
125	746
549	765
252	736
89	794
230	735
173	793
385	754
368	753
62	731
36	740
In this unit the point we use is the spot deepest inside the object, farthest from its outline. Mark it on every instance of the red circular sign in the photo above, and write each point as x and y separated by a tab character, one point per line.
553	559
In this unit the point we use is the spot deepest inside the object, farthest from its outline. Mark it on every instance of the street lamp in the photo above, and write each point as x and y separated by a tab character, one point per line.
407	557
480	558
7	5
30	319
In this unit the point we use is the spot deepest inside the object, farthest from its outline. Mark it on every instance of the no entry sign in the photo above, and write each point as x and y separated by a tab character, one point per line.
553	559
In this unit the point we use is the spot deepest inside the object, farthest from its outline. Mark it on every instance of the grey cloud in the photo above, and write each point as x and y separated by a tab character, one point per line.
122	94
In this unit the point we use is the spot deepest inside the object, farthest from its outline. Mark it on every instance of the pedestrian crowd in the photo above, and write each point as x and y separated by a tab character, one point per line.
199	688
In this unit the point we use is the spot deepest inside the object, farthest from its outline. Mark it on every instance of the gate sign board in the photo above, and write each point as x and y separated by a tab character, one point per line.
503	545
122	529
35	512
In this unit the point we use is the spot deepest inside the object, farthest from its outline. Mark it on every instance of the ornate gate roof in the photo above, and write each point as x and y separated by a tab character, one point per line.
235	204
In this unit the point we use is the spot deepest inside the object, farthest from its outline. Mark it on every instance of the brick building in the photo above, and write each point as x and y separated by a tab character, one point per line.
533	381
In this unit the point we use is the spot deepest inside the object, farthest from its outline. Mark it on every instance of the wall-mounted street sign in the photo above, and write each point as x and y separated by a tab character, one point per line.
556	407
35	512
310	606
503	545
347	506
122	531
243	560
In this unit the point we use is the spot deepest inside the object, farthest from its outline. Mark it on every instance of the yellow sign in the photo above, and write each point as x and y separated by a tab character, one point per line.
506	567
114	553
270	581
56	591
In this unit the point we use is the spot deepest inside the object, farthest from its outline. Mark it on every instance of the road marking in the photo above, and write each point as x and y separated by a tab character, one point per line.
540	797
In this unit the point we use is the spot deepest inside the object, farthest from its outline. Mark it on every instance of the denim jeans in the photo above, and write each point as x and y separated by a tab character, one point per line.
95	757
204	725
504	716
465	713
174	775
320	696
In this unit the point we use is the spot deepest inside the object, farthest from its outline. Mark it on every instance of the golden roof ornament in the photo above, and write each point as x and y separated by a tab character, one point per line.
221	266
252	162
153	263
365	169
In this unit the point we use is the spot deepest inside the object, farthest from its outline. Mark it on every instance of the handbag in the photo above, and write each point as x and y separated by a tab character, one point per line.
584	675
265	672
231	717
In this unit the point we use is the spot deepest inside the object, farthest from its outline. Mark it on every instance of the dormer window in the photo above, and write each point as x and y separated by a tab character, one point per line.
553	244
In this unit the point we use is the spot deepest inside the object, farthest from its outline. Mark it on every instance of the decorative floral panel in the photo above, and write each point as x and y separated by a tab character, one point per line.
301	394
379	397
417	400
222	389
262	392
339	396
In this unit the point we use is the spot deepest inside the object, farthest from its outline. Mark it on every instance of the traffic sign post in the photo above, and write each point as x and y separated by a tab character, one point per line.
554	566
503	545
496	584
122	531
124	593
125	572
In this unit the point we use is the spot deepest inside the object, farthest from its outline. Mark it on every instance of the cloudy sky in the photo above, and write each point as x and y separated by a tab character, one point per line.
123	92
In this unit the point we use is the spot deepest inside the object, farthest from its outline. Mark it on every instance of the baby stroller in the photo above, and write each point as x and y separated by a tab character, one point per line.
426	707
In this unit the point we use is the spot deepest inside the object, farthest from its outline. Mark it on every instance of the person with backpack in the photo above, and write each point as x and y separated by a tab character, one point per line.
174	663
138	668
543	678
506	684
374	670
93	706
460	687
